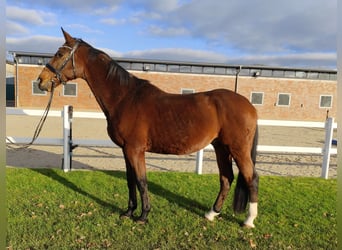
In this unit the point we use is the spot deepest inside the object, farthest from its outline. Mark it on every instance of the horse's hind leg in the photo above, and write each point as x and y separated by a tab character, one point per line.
246	188
224	162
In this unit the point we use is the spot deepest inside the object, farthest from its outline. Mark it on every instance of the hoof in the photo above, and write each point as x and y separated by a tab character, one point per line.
211	215
248	226
141	221
126	216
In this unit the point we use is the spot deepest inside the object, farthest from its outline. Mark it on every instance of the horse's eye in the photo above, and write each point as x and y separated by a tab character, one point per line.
58	54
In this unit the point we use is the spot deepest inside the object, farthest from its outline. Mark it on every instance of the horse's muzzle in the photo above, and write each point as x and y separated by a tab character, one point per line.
44	86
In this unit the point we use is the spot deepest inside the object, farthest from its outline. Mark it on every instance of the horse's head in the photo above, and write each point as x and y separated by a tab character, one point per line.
61	67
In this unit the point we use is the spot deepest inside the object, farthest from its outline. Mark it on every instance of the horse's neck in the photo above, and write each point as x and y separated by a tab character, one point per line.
108	92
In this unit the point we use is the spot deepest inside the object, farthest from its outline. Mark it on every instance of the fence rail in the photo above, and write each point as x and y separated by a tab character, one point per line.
326	150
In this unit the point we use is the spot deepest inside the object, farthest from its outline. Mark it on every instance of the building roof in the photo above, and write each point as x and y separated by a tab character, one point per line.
196	67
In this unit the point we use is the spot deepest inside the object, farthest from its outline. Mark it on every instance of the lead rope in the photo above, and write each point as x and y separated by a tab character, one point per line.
38	127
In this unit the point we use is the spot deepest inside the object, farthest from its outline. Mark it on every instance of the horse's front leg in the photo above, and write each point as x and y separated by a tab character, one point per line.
136	159
132	191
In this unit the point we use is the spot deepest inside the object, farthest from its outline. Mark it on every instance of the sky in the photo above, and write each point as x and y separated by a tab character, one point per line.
291	33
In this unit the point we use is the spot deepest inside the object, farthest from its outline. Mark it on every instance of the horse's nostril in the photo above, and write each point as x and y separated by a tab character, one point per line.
39	81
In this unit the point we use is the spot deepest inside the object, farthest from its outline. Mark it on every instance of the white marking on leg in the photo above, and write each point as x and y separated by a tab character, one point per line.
252	214
211	214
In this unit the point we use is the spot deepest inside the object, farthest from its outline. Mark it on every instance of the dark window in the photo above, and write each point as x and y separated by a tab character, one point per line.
257	98
160	67
325	101
313	75
244	72
324	76
173	68
125	65
283	99
185	69
136	66
333	77
196	69
290	73
231	71
70	89
208	70
300	74
266	72
148	66
220	70
278	73
187	91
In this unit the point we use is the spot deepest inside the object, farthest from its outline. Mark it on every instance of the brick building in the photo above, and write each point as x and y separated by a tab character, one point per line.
277	93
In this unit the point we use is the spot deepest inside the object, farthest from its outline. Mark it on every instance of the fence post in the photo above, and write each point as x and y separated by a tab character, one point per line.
66	135
327	147
199	161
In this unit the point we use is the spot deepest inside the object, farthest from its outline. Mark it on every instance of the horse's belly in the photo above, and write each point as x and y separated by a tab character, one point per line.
181	145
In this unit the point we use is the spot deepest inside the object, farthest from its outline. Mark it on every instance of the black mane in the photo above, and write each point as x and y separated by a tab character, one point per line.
118	72
114	70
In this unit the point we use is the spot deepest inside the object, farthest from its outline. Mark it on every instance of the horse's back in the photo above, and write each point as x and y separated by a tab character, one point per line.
181	124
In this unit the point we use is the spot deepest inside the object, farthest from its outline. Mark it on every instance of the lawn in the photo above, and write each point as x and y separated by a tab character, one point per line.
50	209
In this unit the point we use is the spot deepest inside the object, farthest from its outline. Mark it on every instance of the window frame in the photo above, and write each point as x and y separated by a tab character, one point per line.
320	101
278	99
187	91
262	98
69	84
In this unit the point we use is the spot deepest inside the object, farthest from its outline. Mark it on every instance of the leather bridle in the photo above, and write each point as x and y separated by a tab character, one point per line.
57	72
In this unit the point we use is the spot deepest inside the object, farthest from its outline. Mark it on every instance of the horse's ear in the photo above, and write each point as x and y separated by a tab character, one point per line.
67	36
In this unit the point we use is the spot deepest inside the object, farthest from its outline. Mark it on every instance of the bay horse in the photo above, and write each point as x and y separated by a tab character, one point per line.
143	118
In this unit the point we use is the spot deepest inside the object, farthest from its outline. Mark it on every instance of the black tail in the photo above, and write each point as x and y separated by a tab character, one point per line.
255	144
241	195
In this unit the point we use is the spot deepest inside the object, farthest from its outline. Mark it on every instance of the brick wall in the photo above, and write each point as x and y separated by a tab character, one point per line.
304	104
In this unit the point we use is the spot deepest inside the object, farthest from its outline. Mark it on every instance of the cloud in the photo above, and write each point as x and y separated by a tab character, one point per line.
235	32
112	53
30	16
168	31
177	54
155	5
112	21
47	44
41	44
107	10
259	26
78	6
13	28
306	60
83	28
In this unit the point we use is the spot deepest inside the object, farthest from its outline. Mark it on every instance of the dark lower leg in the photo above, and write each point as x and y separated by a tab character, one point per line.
142	186
224	161
132	204
226	178
132	193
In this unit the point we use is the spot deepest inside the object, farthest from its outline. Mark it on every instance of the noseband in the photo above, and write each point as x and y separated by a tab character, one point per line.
57	72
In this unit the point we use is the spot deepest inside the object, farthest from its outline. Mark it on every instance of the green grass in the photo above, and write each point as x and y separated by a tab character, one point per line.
50	209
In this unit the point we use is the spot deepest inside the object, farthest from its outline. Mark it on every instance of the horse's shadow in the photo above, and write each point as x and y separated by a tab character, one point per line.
189	204
50	173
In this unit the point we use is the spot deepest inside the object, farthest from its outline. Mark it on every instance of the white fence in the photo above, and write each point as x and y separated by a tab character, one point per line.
66	142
